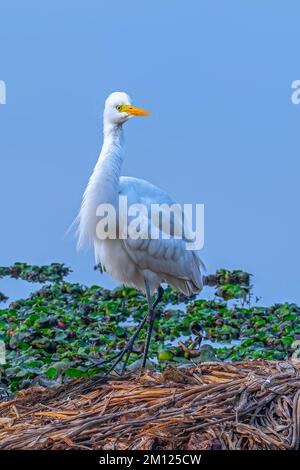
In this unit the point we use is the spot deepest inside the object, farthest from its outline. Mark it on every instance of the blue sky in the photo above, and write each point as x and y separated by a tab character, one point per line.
217	77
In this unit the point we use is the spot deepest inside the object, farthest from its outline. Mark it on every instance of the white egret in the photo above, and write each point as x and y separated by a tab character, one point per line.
142	263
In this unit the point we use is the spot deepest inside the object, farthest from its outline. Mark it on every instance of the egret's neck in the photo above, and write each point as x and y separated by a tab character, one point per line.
107	171
103	185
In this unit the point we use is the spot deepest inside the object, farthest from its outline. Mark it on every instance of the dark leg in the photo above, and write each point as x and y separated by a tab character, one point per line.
150	319
160	293
127	349
129	346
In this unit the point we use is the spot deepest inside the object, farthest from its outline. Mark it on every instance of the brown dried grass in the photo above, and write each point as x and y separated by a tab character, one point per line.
242	405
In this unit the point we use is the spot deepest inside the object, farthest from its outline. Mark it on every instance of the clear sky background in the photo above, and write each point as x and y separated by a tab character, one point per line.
217	77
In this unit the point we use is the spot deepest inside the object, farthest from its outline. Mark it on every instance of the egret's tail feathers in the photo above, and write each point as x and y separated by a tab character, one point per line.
187	287
199	261
194	283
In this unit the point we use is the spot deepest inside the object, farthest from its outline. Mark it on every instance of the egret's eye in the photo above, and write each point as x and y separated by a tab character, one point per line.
119	107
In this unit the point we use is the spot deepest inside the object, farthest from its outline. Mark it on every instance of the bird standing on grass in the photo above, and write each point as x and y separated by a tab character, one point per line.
142	263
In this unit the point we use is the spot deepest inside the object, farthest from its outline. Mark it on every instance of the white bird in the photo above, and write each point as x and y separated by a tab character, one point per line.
142	263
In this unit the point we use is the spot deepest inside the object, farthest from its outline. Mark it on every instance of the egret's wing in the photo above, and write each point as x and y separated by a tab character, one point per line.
138	191
168	257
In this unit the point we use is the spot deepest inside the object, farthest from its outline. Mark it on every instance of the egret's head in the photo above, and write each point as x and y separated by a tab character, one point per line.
118	109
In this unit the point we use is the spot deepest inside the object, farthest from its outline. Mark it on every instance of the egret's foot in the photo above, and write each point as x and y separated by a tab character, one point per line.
117	358
128	349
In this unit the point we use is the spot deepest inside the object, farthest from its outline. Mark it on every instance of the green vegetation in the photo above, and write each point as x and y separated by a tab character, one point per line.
52	273
64	330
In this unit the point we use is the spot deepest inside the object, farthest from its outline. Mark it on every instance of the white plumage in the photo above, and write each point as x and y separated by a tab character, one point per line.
131	261
134	262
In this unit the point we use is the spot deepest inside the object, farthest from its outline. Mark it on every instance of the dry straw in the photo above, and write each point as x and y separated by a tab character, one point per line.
243	405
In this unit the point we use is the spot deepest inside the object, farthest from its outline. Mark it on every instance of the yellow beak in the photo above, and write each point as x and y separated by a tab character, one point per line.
133	111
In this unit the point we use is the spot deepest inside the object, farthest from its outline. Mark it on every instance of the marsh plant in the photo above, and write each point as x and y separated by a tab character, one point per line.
63	330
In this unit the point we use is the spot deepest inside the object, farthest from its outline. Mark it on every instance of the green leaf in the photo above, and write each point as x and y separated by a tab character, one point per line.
51	373
74	373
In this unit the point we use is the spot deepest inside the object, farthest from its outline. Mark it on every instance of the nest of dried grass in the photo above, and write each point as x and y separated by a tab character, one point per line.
243	405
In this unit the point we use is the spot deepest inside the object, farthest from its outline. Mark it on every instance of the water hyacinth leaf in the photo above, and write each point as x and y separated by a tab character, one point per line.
74	373
51	373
